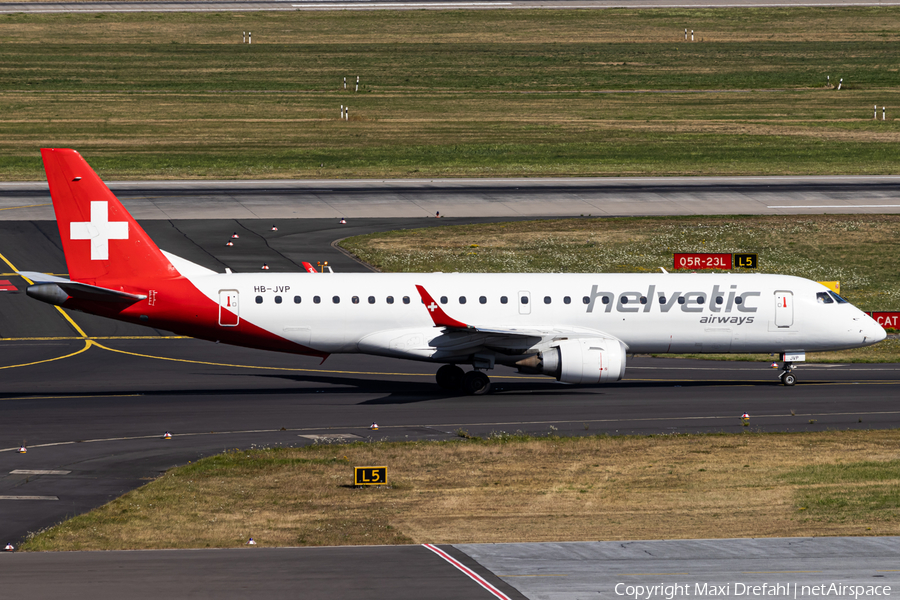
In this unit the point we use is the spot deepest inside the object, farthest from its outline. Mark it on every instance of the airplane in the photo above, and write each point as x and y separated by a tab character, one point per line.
575	327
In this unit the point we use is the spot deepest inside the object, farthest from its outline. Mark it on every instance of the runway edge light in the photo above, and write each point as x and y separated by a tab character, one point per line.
167	436
9	548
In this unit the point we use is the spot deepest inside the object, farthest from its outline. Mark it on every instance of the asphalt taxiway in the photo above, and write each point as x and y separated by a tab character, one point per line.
508	198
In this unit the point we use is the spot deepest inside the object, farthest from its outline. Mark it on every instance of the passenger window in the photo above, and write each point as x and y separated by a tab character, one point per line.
462	299
524	299
567	300
259	299
838	299
503	299
586	300
643	299
371	299
719	299
316	299
546	299
390	299
623	299
354	300
443	299
296	299
680	299
738	300
482	300
662	299
337	299
701	299
277	299
606	299
405	299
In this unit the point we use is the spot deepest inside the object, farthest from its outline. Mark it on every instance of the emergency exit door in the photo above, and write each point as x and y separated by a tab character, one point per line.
784	309
524	303
229	310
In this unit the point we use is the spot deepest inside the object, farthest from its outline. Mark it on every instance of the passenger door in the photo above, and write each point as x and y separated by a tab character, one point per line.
229	311
784	309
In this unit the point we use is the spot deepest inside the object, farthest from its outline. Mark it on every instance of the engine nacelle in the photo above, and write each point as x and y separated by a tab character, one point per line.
581	360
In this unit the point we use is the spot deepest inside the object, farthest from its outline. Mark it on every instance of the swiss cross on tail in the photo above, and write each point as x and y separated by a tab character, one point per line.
437	313
99	230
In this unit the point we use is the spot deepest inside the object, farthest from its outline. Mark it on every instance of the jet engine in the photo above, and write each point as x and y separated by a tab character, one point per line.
581	360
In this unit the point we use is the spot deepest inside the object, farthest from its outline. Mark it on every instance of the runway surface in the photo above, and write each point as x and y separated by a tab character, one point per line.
792	568
607	196
93	410
263	5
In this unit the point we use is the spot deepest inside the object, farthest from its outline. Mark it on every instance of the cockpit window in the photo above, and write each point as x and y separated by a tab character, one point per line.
823	298
837	298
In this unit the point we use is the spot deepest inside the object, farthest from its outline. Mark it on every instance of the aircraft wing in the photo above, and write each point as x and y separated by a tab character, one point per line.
442	319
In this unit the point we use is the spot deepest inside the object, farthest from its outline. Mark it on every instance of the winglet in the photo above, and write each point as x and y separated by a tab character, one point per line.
309	268
437	313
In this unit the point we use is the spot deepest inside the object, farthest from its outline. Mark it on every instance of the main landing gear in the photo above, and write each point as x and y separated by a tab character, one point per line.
454	379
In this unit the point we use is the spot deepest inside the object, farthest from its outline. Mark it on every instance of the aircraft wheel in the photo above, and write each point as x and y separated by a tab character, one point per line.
475	383
450	377
788	379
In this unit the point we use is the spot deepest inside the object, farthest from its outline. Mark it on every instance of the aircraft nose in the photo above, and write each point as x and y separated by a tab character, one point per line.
872	331
878	333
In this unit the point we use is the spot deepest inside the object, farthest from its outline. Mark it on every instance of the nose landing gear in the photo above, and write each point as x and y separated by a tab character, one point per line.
787	374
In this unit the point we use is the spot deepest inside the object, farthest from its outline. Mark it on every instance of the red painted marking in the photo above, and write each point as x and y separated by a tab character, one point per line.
888	319
472	574
6	286
440	318
701	260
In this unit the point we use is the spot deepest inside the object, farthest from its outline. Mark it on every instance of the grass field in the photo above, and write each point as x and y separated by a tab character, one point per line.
455	93
511	488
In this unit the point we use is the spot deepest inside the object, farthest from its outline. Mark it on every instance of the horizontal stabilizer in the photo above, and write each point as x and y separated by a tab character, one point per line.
56	290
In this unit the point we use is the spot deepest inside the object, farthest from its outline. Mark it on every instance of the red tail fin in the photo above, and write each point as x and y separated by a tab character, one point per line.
103	243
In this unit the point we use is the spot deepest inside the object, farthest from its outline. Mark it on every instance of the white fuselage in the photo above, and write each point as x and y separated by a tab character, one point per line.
651	313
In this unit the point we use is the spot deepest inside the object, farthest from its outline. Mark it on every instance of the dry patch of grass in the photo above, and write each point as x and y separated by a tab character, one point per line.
512	488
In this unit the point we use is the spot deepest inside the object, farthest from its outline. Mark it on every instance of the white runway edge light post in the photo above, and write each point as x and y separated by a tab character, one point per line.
357	84
882	113
840	83
345	83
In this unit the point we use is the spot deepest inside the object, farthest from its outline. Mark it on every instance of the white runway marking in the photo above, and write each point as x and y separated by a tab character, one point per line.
38	472
29	498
